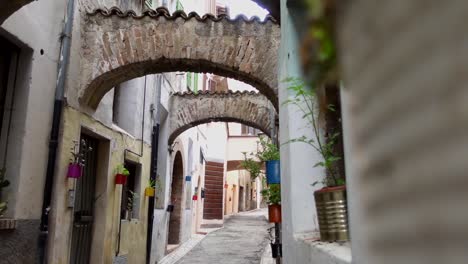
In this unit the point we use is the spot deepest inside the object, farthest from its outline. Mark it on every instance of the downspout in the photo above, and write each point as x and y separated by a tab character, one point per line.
64	60
154	168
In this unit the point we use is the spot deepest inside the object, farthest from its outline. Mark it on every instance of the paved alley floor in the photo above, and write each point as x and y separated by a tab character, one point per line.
241	241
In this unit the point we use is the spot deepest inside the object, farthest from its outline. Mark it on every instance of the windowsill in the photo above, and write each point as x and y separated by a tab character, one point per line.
133	220
326	252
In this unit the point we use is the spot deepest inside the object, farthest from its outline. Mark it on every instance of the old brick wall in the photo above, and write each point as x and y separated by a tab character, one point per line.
405	75
187	110
118	46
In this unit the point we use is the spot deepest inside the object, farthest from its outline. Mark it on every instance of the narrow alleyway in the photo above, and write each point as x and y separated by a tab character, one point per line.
241	241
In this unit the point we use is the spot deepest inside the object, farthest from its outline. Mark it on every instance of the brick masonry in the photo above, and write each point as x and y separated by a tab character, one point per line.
7	8
118	46
214	187
187	110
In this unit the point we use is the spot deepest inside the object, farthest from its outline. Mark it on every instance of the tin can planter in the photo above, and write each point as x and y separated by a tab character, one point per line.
274	213
276	250
194	197
120	179
150	191
332	213
74	171
273	172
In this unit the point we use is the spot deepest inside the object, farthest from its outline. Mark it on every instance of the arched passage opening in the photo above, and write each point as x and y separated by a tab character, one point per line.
7	8
177	187
120	46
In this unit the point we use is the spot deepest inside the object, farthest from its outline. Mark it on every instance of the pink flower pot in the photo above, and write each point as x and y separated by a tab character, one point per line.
74	171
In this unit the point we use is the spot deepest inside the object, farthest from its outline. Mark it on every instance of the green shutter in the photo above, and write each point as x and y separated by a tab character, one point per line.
189	80
195	85
179	6
149	4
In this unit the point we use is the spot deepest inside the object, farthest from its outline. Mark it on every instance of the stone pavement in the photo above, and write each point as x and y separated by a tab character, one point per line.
241	241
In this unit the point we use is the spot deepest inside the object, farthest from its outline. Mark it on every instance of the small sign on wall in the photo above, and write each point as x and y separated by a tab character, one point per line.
188	178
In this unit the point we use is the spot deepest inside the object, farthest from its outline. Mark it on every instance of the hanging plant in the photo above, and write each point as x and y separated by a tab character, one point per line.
77	162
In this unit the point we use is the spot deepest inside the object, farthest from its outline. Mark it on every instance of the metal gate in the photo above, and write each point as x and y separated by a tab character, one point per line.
84	204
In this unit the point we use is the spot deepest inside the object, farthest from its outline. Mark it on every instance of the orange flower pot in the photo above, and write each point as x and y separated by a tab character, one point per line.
274	213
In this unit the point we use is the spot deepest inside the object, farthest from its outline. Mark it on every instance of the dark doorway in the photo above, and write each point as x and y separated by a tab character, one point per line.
241	199
176	201
84	204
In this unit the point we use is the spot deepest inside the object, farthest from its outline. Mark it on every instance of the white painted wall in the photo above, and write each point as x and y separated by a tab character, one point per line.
35	27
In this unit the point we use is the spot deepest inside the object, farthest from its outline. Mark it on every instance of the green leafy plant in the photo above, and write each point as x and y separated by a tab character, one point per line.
131	197
3	184
251	165
268	150
305	99
78	152
151	183
272	194
122	170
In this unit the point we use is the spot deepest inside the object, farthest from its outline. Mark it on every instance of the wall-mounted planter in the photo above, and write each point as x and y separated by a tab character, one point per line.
195	197
276	250
150	191
273	172
74	171
274	213
170	208
332	213
120	179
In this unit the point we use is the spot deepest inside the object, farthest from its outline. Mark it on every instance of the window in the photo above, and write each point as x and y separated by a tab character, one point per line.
249	131
211	85
189	81
222	10
130	204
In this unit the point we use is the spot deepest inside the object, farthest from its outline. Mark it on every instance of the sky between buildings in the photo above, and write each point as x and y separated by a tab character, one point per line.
245	7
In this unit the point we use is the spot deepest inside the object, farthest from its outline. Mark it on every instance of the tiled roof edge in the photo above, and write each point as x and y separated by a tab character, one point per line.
229	92
162	11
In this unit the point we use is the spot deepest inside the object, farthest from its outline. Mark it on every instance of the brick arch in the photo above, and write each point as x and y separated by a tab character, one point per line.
8	7
187	110
121	46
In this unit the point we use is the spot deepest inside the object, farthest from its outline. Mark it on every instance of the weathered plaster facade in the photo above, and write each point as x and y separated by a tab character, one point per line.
249	108
119	46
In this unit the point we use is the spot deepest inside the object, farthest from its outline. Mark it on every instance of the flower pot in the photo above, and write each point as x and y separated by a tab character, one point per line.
195	197
74	171
274	213
273	172
276	250
332	213
150	191
120	179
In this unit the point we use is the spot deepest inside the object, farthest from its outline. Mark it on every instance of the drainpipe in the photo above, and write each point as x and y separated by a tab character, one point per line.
54	133
154	168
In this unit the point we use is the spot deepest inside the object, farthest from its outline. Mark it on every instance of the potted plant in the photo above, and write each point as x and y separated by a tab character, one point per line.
151	189
330	200
251	165
121	175
77	162
3	184
269	153
272	196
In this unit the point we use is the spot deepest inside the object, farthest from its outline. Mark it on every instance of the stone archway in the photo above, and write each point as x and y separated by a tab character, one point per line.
120	46
187	110
177	187
8	7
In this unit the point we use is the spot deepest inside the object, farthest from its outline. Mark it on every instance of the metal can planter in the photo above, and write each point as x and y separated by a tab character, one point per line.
332	213
276	250
274	213
120	179
273	172
150	191
74	171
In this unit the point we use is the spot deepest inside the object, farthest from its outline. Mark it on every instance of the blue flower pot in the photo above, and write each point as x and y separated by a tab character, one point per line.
273	172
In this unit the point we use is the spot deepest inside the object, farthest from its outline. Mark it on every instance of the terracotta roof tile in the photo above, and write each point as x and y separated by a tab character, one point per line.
164	12
229	92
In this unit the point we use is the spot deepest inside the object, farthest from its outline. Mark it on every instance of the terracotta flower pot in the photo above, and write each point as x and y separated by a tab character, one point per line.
274	213
150	191
332	213
120	179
